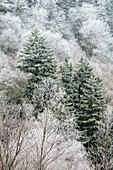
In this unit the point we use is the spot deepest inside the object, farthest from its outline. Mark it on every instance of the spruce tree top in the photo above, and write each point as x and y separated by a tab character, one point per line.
85	71
66	71
37	58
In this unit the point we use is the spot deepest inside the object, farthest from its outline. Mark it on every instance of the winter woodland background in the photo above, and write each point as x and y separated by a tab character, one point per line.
50	140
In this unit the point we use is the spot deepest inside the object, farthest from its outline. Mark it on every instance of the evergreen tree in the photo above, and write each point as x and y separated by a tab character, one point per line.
51	9
105	9
37	59
80	2
89	103
66	78
109	13
66	5
31	3
66	71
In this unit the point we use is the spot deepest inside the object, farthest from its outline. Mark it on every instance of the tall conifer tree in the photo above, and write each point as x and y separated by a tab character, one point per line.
66	71
66	78
38	60
89	103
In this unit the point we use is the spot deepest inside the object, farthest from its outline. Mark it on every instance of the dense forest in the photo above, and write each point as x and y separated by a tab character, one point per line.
56	85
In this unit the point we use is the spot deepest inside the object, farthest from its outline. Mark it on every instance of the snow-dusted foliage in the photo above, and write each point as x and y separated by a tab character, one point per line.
74	29
11	37
66	48
37	144
52	151
92	33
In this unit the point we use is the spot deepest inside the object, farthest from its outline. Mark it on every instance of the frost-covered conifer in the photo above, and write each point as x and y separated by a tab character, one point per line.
66	78
37	59
89	103
66	71
66	5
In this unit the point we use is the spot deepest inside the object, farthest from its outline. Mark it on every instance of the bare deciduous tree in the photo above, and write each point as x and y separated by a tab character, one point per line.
12	135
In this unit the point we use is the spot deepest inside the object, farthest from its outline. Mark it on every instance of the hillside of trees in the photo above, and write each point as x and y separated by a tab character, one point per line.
56	85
